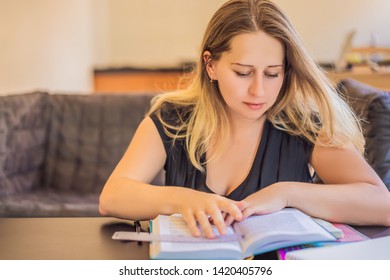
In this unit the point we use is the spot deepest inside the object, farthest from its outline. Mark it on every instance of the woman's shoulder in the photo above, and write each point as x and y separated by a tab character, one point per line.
172	114
171	120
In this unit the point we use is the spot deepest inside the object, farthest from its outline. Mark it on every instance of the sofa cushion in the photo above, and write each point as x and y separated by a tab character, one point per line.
87	137
50	203
373	106
23	125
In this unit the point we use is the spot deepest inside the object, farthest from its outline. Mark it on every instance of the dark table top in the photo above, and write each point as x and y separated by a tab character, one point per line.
67	239
86	239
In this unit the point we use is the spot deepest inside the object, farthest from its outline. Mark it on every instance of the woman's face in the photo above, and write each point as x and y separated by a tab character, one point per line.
250	75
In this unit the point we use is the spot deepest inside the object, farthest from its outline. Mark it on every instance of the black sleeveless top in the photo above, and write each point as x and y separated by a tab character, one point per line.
280	157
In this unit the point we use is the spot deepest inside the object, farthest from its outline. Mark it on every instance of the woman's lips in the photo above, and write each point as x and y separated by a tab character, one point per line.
254	106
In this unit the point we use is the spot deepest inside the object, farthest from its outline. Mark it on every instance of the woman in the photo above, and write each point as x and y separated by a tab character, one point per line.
246	135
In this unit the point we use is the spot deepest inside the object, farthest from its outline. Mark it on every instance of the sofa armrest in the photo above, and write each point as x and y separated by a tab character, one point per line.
23	139
372	105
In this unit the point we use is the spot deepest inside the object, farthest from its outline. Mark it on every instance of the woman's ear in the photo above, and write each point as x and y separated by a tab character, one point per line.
209	63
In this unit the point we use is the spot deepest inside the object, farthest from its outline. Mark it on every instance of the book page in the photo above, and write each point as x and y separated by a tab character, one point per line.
266	224
280	229
176	226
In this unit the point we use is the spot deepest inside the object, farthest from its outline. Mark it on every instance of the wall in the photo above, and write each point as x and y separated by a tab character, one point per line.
324	24
45	44
55	45
153	32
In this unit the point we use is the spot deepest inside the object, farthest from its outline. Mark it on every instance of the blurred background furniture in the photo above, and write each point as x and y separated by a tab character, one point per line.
135	79
380	80
372	105
57	150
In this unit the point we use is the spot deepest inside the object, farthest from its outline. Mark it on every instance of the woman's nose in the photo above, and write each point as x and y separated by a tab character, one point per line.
256	86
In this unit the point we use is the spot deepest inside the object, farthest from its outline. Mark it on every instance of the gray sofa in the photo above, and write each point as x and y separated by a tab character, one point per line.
57	150
373	107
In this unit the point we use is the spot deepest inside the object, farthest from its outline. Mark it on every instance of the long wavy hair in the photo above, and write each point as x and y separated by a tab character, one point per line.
308	104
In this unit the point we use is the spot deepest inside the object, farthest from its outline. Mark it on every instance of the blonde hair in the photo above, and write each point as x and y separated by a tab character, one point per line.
307	106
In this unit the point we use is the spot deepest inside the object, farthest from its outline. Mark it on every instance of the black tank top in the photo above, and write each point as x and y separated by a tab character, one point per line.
279	157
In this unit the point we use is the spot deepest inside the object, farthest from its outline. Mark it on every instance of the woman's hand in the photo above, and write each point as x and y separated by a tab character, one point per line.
200	208
268	200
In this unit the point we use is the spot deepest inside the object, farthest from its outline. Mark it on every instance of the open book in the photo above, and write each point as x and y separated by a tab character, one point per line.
258	234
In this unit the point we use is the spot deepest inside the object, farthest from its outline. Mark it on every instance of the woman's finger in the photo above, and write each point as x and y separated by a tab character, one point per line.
204	224
247	212
231	209
218	220
191	224
229	220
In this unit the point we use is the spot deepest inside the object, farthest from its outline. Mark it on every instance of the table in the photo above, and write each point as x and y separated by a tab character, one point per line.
85	239
379	80
67	239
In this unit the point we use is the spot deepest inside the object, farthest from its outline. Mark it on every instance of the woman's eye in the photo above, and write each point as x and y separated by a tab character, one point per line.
243	74
272	75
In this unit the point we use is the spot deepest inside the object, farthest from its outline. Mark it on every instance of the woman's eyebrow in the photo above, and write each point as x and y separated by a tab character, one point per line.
244	65
251	66
279	65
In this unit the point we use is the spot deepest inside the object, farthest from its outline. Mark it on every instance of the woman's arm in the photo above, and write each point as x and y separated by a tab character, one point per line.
128	193
352	192
128	183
